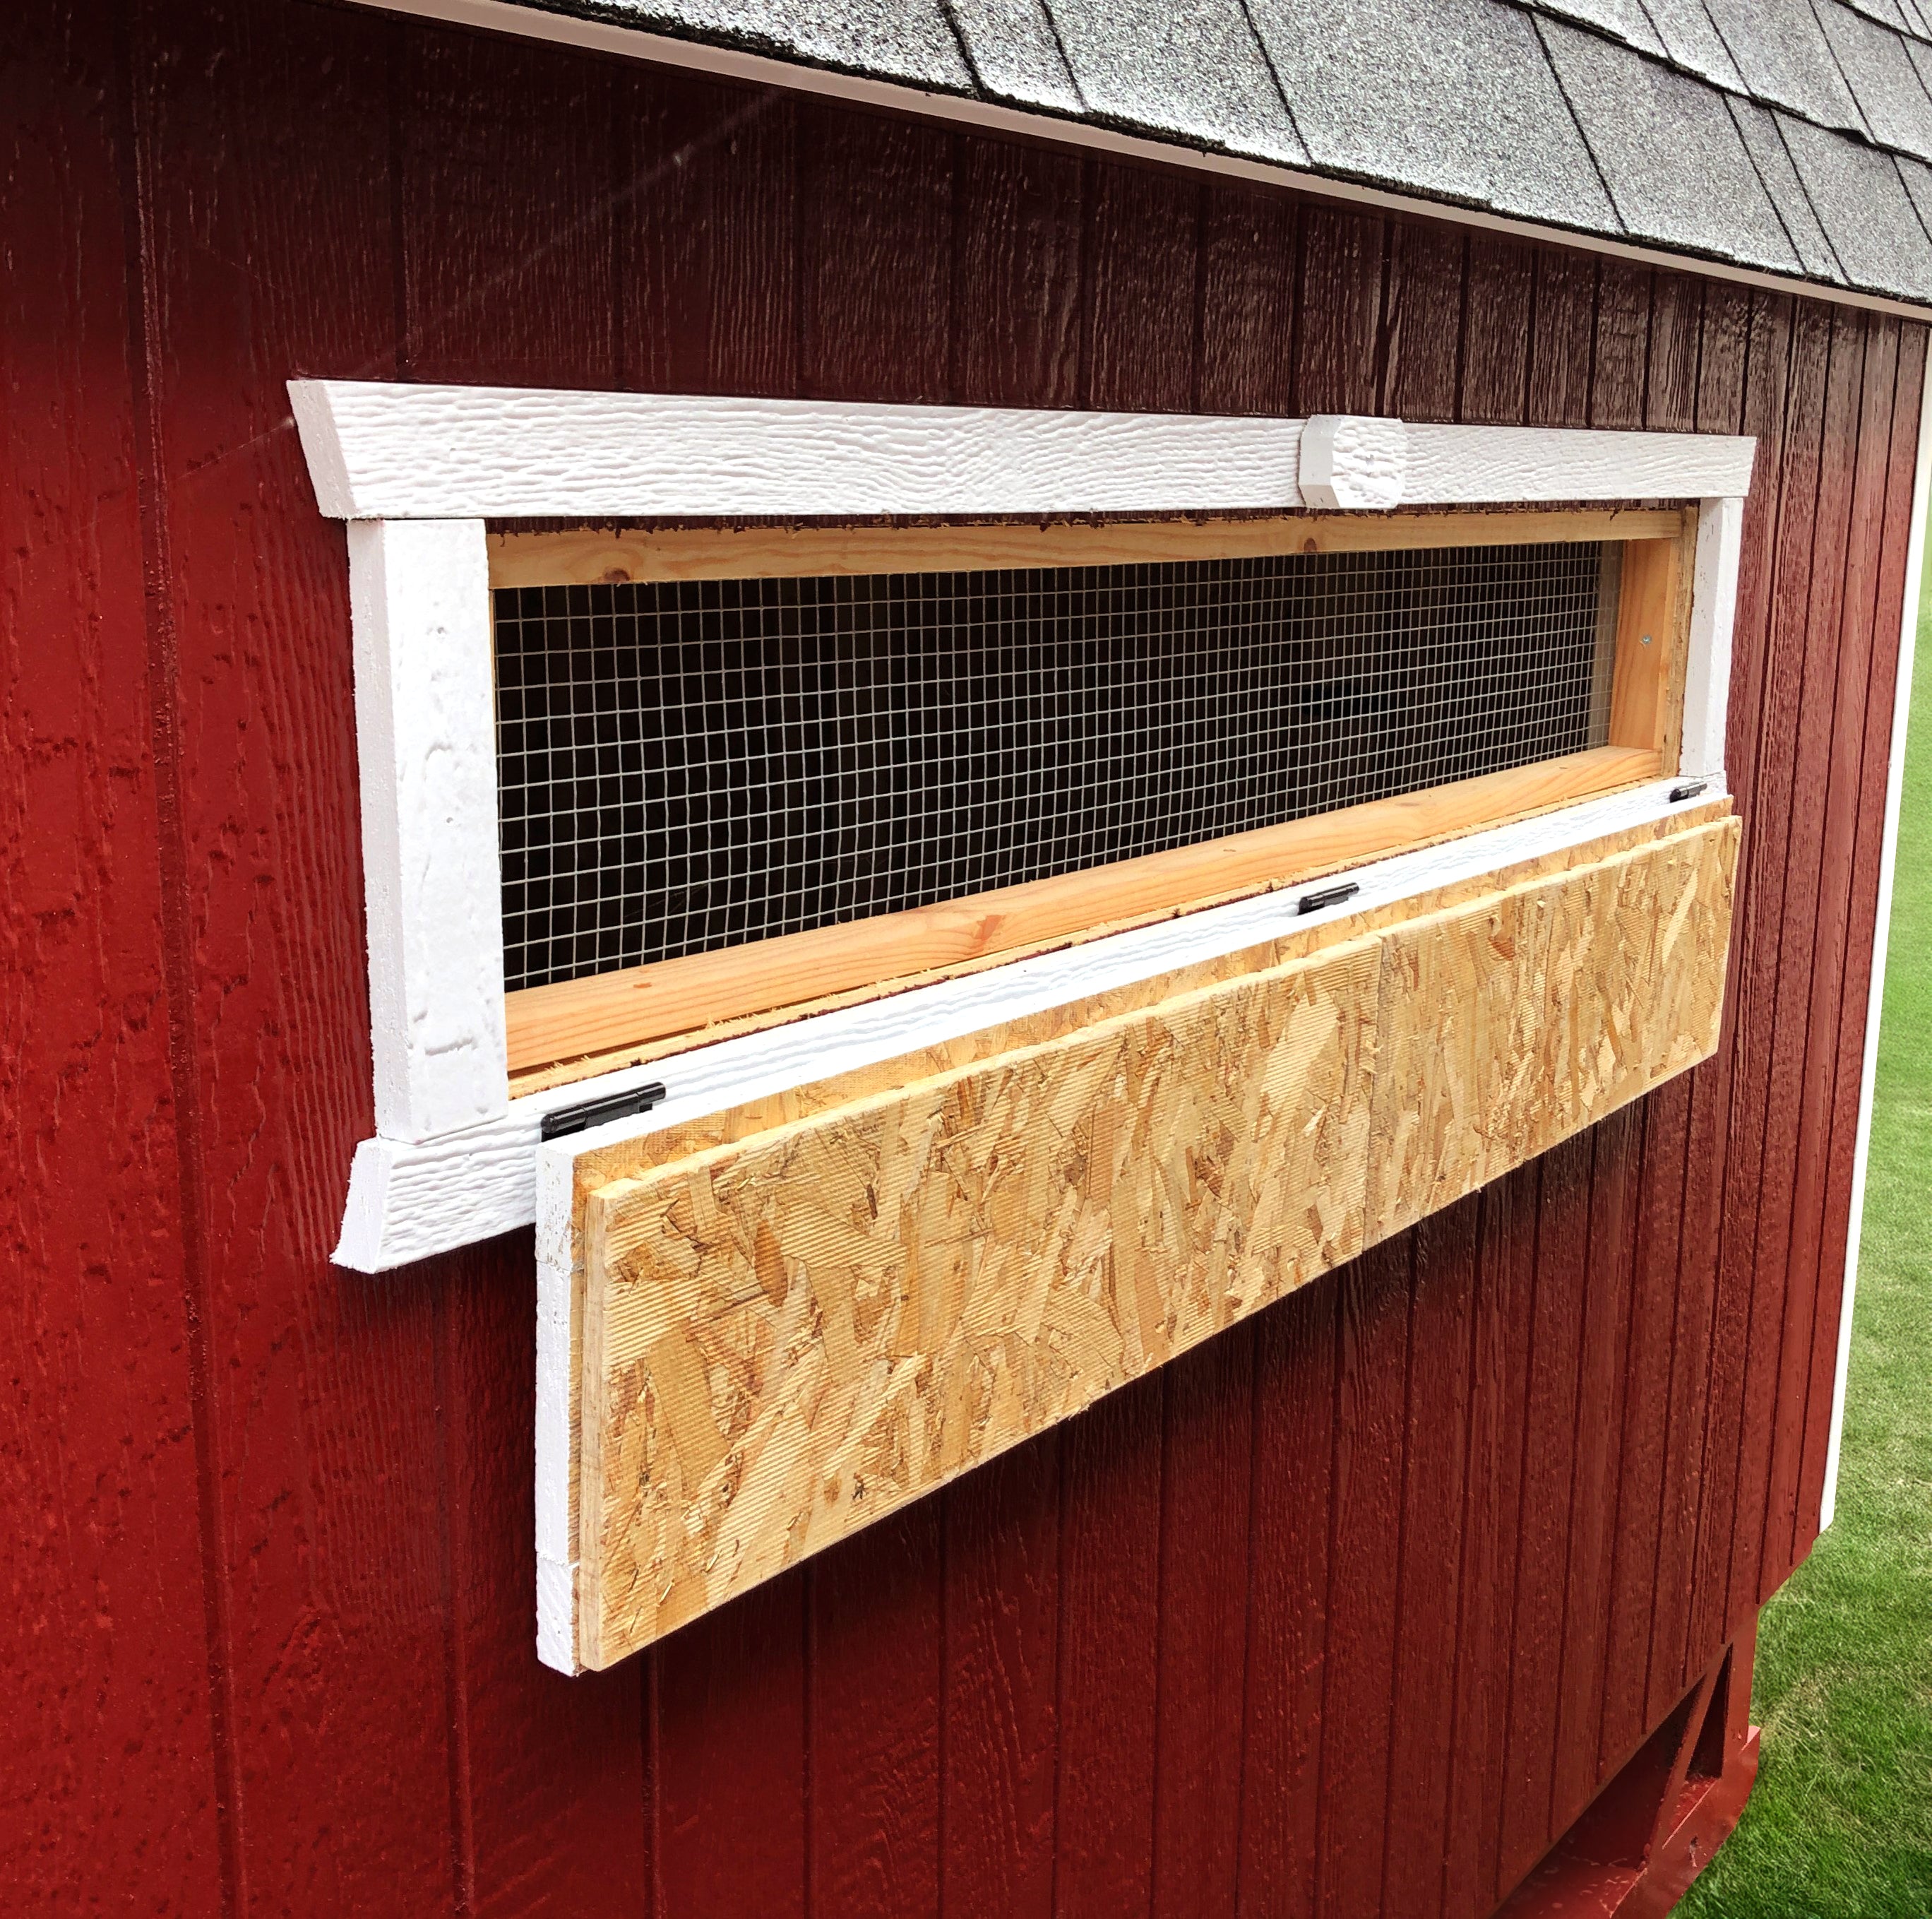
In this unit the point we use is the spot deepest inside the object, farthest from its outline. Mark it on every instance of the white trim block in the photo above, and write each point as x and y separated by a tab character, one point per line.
1347	460
1714	603
377	450
425	726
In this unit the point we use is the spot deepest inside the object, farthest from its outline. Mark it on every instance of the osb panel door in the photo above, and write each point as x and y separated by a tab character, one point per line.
788	1336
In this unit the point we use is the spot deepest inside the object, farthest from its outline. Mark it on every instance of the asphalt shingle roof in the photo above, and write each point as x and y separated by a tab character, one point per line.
1788	136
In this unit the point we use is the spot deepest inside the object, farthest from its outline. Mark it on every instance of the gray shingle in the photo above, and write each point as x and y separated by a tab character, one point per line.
1887	13
1012	46
1449	97
1193	70
1458	99
1622	19
1675	165
902	39
1759	133
1918	178
1862	204
1692	41
1785	58
1893	98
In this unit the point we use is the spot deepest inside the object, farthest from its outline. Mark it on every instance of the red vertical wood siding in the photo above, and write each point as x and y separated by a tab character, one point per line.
1351	1611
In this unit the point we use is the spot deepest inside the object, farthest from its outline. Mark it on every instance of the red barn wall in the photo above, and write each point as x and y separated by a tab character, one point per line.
1354	1607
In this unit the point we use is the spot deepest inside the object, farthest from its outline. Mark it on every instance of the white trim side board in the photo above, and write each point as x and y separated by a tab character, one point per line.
381	451
1887	866
415	470
426	733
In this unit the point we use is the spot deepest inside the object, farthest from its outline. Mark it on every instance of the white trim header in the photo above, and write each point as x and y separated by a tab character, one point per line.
378	450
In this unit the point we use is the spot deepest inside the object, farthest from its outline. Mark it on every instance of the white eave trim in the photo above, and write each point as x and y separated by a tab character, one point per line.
378	450
528	23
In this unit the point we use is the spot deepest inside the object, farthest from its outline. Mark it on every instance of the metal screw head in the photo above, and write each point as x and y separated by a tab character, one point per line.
1646	639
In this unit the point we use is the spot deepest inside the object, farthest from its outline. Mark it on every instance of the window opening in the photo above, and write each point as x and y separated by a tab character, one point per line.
687	766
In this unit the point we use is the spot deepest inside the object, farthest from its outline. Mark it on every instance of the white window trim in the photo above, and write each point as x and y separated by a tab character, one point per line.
417	469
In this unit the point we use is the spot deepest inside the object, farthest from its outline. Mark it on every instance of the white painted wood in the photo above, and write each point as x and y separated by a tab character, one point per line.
1713	600
1475	466
1032	122
380	450
425	729
1350	461
408	1201
393	450
1887	866
557	1550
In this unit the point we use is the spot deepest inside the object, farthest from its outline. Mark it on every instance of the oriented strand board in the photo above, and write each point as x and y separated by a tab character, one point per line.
787	1335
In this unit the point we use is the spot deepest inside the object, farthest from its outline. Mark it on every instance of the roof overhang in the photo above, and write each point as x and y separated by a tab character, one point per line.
533	22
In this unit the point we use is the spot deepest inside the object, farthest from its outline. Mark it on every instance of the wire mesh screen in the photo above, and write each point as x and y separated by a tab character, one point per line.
689	766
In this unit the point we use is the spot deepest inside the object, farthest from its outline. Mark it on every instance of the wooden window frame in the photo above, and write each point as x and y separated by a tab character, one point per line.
575	1029
420	472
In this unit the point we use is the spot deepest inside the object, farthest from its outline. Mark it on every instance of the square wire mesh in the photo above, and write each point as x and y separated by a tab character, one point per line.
689	766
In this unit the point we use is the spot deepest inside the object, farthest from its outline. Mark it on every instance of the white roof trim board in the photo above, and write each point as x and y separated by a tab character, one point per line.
1786	139
379	450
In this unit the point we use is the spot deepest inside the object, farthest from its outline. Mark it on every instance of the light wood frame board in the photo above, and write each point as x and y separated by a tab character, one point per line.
575	1029
786	1319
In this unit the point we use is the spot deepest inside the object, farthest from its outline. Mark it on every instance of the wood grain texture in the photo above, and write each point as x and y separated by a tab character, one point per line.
1549	1423
1207	1472
1648	607
1002	1588
1080	1298
706	236
116	1740
488	279
1829	1062
385	451
1492	1508
1861	981
1435	1451
1247	302
1364	1595
330	1507
1813	629
582	1020
1749	1317
1295	1350
603	557
1562	339
1017	224
1423	324
1110	1607
1596	1471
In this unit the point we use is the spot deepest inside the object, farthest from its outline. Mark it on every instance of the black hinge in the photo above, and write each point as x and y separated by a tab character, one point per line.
1328	895
565	1119
1688	790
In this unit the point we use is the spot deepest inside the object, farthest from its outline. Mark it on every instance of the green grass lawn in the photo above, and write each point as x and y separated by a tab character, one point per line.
1840	1822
